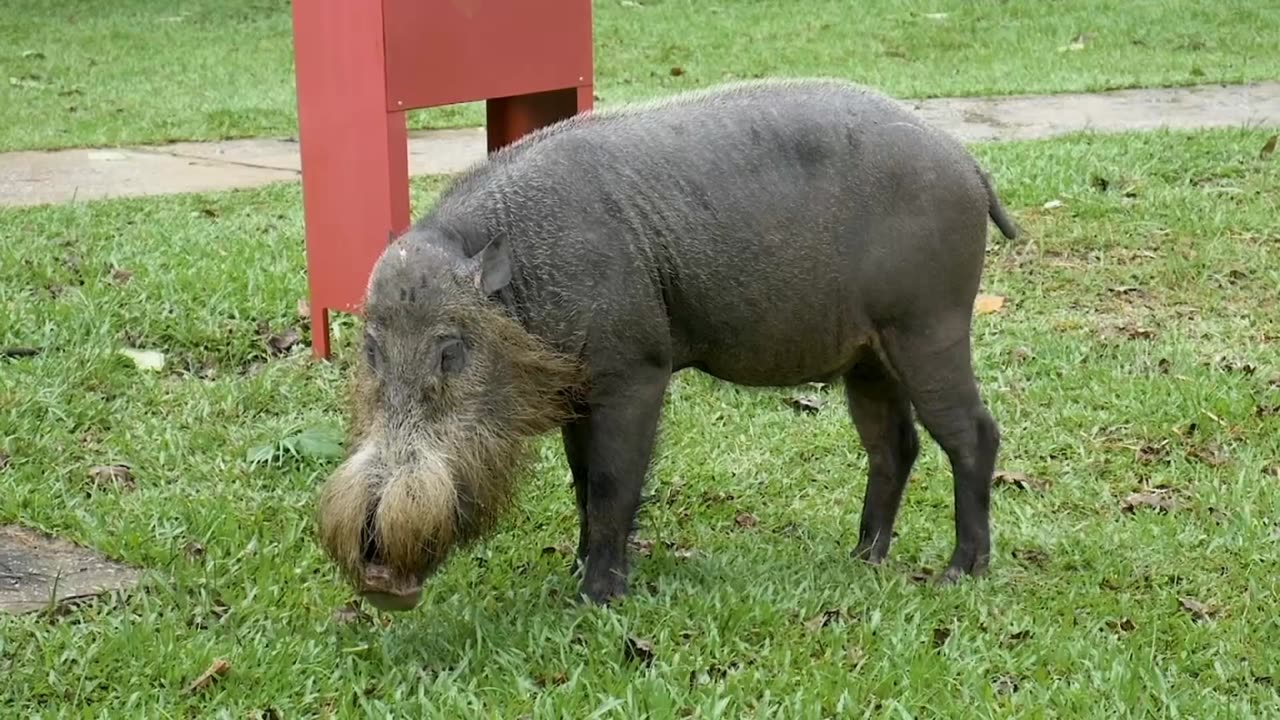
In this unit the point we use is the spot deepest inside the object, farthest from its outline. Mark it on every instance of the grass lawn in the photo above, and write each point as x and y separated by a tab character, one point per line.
1138	349
132	71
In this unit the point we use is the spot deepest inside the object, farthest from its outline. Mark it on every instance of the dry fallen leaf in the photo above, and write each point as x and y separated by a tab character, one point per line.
1211	453
1019	636
1005	685
1077	43
1158	499
805	403
217	670
1019	480
118	476
1149	452
940	635
349	613
823	619
987	304
121	276
561	549
282	342
1053	205
745	520
550	680
1269	147
637	650
194	550
304	309
145	359
1200	612
1031	556
1123	625
677	71
644	548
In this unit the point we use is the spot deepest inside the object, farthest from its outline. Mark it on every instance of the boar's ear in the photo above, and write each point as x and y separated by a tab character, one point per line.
493	271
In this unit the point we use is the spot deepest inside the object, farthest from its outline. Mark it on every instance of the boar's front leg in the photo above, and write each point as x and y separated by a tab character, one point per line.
610	448
881	412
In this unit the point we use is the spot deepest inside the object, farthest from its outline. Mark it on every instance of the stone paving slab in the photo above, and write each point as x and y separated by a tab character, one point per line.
39	571
34	178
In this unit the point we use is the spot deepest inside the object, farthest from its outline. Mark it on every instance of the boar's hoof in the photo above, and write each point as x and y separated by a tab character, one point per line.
605	590
385	591
957	571
870	552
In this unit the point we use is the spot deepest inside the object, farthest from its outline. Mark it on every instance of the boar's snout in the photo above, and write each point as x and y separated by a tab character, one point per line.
387	590
388	518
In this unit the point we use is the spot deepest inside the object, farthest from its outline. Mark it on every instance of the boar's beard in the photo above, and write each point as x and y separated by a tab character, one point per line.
405	498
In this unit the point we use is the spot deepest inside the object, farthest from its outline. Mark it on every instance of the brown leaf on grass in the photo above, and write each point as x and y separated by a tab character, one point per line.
805	403
561	549
1020	636
280	343
677	71
118	477
1268	147
940	636
545	680
1158	499
1273	470
304	309
1018	480
823	619
988	304
1211	453
218	669
1128	291
920	576
1121	625
209	212
1200	612
193	550
349	614
1005	684
121	276
638	650
1077	43
1152	452
643	548
1031	556
1236	365
745	520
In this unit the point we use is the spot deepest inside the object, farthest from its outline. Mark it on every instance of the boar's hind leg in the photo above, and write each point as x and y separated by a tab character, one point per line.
935	365
620	429
881	412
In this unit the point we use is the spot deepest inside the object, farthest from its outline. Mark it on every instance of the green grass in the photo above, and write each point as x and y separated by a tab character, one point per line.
87	73
1140	347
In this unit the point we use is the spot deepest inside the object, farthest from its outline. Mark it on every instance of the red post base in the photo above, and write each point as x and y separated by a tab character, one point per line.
361	65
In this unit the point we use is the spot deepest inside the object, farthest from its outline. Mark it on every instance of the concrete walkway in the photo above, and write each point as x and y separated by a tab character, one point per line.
34	178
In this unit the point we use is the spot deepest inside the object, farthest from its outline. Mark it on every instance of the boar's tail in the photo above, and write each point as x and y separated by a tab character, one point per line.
996	210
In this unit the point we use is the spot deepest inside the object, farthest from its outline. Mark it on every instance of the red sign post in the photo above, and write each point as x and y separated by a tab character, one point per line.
361	64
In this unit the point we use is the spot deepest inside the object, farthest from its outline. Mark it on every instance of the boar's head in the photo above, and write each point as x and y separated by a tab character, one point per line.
448	392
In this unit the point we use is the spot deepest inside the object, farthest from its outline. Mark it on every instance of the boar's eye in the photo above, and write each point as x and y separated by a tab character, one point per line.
453	356
370	351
